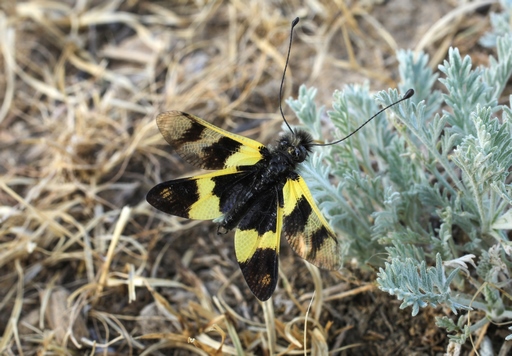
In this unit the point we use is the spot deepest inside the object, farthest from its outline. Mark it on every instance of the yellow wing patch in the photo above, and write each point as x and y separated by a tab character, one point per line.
248	241
207	205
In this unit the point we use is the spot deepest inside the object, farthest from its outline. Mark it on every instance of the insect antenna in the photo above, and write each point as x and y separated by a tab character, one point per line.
294	23
406	96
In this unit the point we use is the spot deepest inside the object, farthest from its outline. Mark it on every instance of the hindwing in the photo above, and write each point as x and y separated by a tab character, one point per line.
203	197
257	245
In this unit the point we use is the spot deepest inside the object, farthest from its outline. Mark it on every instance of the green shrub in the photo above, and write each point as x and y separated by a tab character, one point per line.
429	186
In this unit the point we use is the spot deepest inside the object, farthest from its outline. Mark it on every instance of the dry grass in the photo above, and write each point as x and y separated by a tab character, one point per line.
86	264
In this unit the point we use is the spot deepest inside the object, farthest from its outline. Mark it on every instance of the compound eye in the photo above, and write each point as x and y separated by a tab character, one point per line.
298	152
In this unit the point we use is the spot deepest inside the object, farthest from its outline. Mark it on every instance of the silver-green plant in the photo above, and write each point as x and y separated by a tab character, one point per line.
430	186
500	23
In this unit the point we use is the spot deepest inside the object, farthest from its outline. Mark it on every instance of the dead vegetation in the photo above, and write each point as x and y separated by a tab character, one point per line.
87	266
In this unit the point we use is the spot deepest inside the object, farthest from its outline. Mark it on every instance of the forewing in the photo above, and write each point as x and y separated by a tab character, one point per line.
257	245
305	228
203	197
205	145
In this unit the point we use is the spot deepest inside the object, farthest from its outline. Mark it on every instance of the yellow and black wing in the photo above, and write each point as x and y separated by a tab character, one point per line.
257	245
203	197
305	228
205	145
258	235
